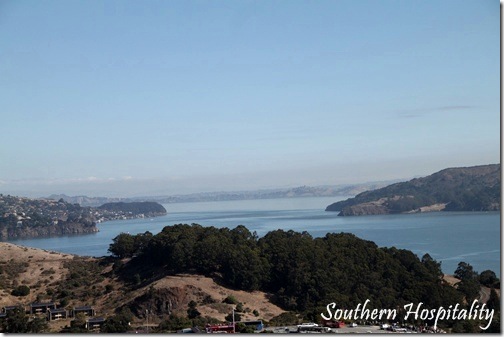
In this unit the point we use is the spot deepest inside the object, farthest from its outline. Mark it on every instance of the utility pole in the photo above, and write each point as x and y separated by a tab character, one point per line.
147	316
234	329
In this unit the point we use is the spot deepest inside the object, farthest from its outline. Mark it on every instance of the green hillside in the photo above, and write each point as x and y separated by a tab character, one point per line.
474	188
135	208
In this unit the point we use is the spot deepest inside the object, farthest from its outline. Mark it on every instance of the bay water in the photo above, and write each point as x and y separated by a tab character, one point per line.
449	237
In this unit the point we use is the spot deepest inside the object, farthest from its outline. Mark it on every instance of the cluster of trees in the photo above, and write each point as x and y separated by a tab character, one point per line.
145	207
463	189
17	321
470	286
127	245
21	290
303	272
175	323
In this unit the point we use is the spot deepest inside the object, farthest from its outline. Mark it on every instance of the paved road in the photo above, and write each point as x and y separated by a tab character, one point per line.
484	294
358	329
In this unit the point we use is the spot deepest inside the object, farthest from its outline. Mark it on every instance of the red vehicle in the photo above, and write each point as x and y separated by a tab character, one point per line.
220	328
334	324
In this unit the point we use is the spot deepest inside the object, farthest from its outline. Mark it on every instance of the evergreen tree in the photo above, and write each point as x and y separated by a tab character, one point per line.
16	321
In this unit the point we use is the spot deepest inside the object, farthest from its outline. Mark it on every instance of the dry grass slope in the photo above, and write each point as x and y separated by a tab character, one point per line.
48	274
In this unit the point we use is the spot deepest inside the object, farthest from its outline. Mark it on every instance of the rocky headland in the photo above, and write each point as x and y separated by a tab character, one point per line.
28	218
474	188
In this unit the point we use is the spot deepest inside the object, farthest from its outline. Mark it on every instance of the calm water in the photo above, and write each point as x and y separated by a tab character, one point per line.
447	237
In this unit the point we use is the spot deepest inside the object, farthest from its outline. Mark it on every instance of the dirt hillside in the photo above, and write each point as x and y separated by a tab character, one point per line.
78	281
35	268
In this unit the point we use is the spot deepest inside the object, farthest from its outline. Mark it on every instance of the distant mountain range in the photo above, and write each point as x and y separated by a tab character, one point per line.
87	201
476	188
296	192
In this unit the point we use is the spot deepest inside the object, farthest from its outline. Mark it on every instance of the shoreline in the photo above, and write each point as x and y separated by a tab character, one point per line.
387	231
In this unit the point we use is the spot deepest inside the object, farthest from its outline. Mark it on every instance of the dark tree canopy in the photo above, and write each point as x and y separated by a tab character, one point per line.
303	272
144	207
18	322
489	279
465	271
127	245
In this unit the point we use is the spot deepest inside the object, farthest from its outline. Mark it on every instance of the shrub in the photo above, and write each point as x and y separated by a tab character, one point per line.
237	317
64	302
21	291
193	313
137	279
208	300
286	318
230	300
239	307
242	328
174	323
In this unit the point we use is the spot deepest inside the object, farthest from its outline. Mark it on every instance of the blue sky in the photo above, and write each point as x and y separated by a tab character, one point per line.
164	97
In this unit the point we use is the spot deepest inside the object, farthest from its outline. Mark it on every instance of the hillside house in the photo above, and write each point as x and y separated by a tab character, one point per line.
86	310
41	308
11	307
95	323
56	314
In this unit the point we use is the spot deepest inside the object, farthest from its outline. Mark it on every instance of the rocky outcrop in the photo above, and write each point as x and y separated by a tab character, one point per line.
165	301
379	206
49	230
364	209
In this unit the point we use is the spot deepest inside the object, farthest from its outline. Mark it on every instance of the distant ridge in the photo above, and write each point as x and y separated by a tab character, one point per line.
476	188
86	201
294	192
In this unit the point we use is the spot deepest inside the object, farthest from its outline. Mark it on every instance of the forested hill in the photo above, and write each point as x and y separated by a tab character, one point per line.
476	188
146	208
302	273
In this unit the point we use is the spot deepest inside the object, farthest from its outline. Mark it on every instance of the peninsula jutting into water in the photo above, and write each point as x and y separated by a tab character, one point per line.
476	188
27	218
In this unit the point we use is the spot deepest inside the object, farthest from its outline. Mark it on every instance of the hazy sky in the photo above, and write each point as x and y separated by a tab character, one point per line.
130	98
